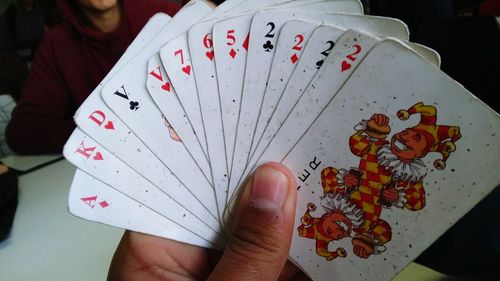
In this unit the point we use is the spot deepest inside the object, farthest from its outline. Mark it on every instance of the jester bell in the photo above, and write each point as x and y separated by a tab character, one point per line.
425	137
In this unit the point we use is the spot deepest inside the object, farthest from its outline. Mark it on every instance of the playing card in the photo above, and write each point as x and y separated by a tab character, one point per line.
255	5
180	127
349	50
97	120
108	129
202	56
90	157
389	162
164	95
261	52
285	61
127	95
176	60
230	39
201	104
307	68
89	211
427	53
227	6
301	110
307	108
203	59
230	43
93	200
313	6
293	38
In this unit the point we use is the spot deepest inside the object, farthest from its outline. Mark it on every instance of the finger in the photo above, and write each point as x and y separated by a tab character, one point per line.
291	272
145	257
263	228
212	4
3	169
300	277
213	258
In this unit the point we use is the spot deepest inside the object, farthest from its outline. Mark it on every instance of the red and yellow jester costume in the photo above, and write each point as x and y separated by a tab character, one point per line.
311	228
366	198
377	176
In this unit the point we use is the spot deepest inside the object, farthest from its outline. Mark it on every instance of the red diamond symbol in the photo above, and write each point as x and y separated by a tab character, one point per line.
232	53
246	42
294	58
104	204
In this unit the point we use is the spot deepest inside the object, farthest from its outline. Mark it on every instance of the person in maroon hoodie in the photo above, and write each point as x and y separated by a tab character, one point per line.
73	57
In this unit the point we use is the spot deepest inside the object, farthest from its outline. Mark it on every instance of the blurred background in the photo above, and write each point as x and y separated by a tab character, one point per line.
464	32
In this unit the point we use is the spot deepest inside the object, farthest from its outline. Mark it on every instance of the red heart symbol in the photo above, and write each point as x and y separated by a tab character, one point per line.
187	69
210	55
98	156
166	86
109	126
345	66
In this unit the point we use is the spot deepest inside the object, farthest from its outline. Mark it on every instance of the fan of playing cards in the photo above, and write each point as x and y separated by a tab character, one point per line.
388	151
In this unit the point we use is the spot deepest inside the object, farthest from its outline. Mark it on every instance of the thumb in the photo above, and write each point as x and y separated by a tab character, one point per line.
263	227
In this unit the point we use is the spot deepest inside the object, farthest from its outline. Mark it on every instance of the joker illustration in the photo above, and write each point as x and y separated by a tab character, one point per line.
339	220
390	173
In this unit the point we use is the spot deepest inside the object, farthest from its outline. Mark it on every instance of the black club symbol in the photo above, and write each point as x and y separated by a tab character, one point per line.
134	105
319	64
268	46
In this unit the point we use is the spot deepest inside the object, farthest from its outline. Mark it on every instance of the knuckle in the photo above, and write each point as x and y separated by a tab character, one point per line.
254	241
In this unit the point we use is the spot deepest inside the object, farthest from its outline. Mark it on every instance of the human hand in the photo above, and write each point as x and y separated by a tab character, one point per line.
3	169
257	250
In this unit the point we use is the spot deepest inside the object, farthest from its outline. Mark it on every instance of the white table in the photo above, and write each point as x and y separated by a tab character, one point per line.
47	243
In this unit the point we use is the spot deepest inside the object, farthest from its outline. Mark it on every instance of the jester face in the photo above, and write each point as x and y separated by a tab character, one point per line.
409	144
335	225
